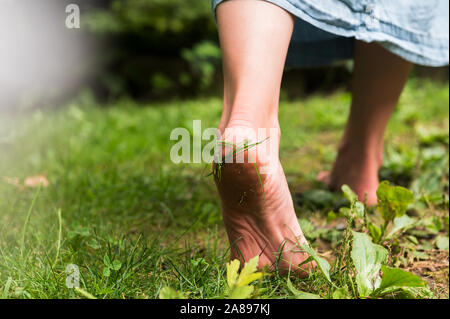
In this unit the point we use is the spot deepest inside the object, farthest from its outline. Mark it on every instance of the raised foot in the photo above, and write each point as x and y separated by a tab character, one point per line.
257	208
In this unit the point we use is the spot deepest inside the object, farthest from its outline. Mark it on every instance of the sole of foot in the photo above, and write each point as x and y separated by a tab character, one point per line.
257	206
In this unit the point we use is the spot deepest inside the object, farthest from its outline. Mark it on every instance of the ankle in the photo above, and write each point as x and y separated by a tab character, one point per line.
252	121
363	154
252	130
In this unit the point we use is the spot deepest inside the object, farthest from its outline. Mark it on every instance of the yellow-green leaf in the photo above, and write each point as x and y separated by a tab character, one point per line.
170	293
243	292
341	293
232	272
239	284
248	273
248	279
393	201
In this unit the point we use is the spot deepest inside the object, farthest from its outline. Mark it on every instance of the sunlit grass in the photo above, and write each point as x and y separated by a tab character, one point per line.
119	195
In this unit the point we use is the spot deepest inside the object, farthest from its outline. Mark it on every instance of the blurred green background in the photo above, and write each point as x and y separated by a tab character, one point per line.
113	194
152	48
169	48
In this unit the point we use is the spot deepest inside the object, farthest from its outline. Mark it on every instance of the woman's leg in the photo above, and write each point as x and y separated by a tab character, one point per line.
257	210
378	80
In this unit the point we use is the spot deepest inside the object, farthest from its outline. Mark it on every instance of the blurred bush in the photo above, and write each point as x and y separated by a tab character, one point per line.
152	48
169	48
162	16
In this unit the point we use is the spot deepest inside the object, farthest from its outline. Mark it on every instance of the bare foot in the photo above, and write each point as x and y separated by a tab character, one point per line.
359	173
257	208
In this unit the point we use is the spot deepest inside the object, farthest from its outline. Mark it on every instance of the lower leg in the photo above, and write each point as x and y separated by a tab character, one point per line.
257	210
378	80
254	37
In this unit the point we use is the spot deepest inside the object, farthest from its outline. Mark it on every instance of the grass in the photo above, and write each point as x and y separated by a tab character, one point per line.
134	222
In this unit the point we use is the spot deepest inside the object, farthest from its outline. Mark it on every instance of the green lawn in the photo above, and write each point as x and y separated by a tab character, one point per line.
134	222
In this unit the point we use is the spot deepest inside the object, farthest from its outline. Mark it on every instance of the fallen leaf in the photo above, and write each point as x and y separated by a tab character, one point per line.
239	284
12	181
36	181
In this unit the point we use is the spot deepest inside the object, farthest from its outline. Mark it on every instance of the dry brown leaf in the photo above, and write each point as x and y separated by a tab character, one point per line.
35	181
12	181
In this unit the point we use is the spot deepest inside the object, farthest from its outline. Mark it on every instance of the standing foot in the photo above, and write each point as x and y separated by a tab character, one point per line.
360	173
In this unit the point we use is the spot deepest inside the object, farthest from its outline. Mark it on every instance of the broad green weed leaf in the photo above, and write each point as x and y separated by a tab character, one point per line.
170	293
414	293
400	224
106	271
394	279
323	265
393	200
306	226
106	261
199	262
345	212
367	258
341	293
413	239
318	198
359	208
331	216
300	294
72	234
349	194
6	288
375	232
442	242
421	255
433	224
93	244
116	265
